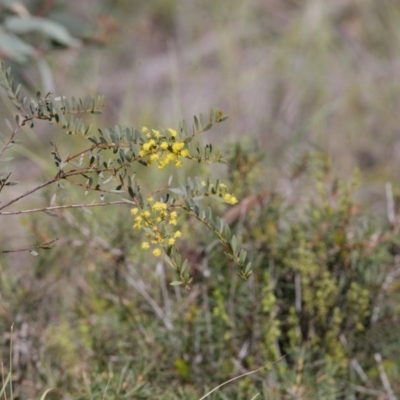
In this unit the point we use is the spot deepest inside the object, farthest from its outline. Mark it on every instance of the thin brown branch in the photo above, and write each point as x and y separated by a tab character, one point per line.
45	246
68	159
87	187
10	140
384	378
4	181
55	179
101	146
53	208
64	175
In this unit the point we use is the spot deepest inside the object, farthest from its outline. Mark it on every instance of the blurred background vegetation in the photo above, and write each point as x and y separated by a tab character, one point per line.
312	90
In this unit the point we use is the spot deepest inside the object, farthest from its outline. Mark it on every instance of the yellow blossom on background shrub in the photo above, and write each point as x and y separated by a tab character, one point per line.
184	153
172	132
229	198
157	252
176	147
154	157
157	206
157	133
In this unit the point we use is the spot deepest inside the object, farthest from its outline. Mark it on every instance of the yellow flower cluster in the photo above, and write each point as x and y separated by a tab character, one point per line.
162	149
228	198
223	193
150	220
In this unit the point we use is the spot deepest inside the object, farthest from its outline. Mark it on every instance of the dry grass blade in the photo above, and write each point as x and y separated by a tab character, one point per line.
241	376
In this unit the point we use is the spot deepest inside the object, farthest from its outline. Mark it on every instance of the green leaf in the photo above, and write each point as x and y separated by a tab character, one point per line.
6	159
248	268
234	243
176	191
50	213
169	261
15	49
242	256
207	127
131	192
8	123
176	283
184	266
48	28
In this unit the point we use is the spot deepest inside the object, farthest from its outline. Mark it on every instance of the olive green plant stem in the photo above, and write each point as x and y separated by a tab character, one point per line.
11	361
208	225
52	208
4	382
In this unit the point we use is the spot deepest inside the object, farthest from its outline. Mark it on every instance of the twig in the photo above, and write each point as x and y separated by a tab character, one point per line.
353	361
52	208
55	179
39	246
357	367
384	378
390	204
87	187
390	277
298	296
10	140
134	280
4	181
164	289
373	392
